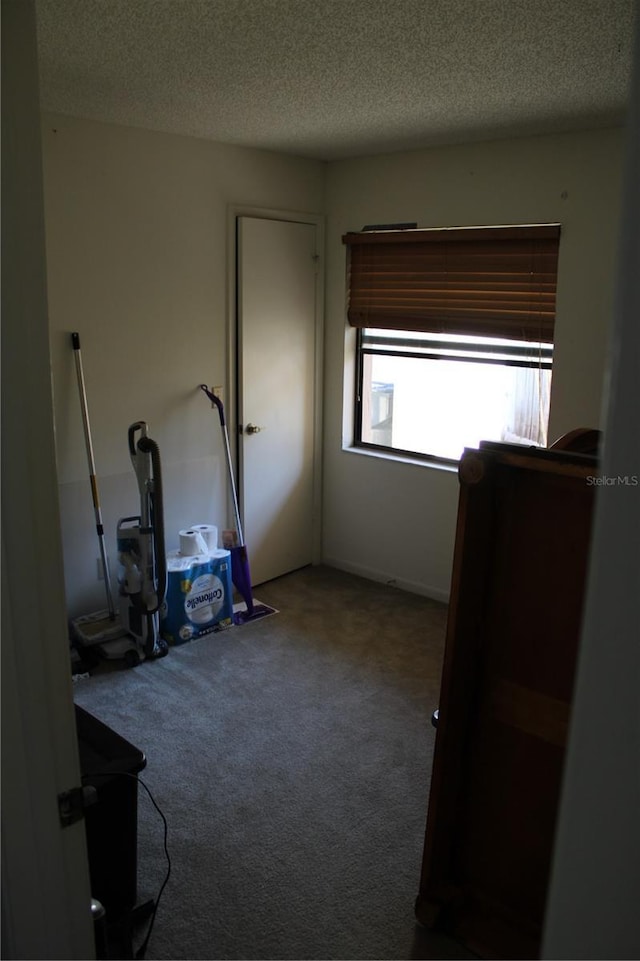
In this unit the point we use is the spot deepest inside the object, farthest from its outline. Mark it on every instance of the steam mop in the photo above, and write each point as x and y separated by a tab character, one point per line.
240	572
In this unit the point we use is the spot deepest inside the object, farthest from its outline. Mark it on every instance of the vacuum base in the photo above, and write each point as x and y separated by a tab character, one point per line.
98	628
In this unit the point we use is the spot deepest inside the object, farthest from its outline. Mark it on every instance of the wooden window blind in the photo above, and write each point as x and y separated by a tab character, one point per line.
477	281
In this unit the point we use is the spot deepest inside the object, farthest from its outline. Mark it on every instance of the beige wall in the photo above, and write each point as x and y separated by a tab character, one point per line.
136	226
395	521
137	263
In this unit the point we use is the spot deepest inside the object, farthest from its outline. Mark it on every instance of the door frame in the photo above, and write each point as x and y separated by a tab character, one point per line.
231	399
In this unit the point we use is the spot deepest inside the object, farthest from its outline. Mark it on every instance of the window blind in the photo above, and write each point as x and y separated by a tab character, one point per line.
479	281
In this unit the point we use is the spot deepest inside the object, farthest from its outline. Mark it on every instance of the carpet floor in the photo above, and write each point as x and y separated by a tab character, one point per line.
291	757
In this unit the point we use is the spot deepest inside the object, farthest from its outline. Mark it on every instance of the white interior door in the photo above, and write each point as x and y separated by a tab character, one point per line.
276	396
46	892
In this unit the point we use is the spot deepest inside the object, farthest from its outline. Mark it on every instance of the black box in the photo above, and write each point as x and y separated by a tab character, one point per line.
109	763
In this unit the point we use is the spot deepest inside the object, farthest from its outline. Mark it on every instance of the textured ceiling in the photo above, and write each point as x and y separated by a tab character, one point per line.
337	78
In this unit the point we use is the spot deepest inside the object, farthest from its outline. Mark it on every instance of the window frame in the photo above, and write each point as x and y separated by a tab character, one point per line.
542	238
363	349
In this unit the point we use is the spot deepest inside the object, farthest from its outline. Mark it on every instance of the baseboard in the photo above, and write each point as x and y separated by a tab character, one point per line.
384	577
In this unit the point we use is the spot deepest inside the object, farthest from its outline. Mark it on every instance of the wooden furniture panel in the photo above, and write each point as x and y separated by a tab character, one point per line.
520	564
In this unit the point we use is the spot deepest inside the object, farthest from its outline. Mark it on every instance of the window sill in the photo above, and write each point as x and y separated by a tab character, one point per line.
401	459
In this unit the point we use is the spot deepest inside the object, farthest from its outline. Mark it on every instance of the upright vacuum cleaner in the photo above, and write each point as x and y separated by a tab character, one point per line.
141	550
134	634
240	572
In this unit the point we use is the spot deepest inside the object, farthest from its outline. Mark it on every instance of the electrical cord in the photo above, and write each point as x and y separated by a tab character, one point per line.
140	953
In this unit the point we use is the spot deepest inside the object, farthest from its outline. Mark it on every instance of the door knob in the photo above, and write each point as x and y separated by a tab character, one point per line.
252	429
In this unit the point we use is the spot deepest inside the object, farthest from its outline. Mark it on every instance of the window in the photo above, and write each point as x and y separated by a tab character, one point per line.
455	336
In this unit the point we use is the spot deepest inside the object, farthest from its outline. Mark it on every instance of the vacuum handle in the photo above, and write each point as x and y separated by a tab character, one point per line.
156	511
215	401
139	425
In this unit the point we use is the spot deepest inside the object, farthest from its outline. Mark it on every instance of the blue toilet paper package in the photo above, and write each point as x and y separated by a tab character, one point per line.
199	596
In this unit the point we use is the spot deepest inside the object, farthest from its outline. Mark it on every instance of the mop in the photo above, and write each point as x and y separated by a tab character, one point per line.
104	625
240	572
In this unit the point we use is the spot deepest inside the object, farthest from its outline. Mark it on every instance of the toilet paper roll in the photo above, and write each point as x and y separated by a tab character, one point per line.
176	561
210	534
192	542
220	554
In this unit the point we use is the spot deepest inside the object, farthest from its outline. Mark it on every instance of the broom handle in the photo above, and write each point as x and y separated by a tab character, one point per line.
216	402
75	340
233	486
